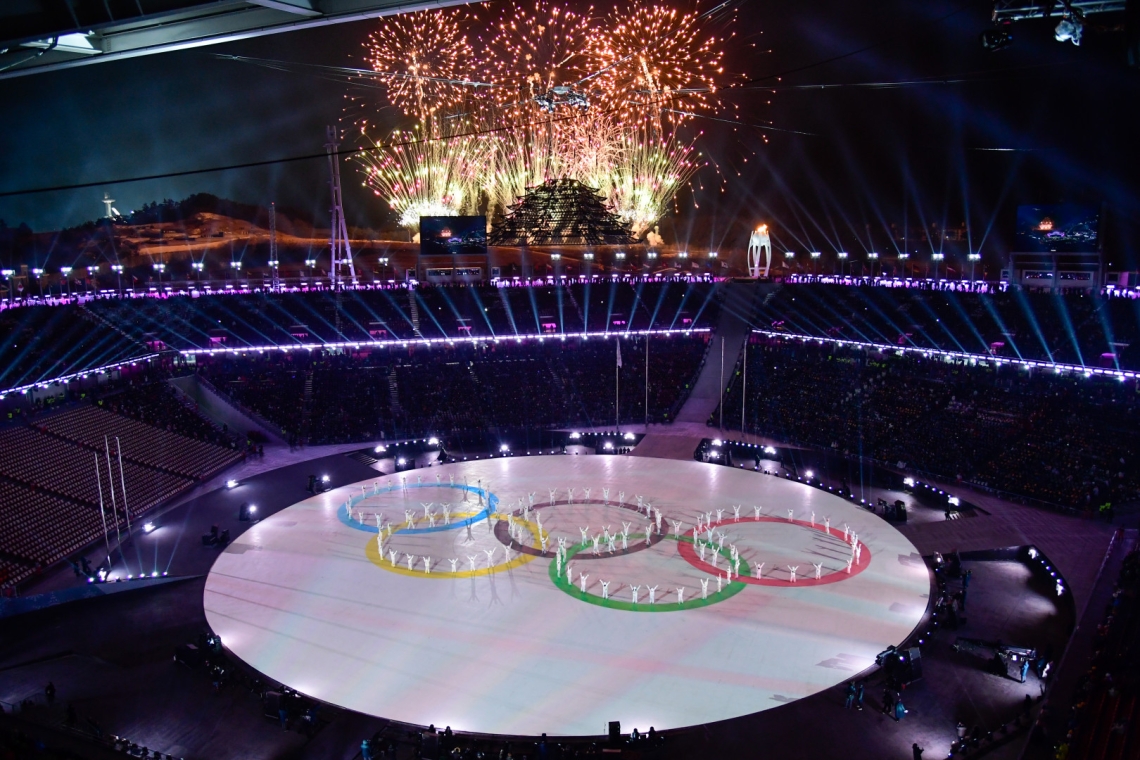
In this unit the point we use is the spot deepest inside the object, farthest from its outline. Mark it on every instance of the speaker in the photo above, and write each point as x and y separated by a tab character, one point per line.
615	731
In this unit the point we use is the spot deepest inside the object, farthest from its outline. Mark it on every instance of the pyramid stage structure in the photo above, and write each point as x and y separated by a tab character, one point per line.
560	212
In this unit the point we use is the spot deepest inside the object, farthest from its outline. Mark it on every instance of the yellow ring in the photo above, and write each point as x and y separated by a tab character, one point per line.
372	551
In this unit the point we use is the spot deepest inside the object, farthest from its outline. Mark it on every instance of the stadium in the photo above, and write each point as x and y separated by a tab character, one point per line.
584	440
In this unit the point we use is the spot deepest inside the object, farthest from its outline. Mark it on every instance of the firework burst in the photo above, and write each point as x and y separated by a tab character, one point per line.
651	57
487	130
421	176
424	58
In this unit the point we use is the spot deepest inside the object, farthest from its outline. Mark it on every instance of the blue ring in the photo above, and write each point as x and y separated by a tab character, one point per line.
492	503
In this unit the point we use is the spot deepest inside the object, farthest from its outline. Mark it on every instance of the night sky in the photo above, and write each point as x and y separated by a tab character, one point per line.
1065	119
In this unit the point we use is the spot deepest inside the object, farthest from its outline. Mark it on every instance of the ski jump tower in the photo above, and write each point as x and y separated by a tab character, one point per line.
341	270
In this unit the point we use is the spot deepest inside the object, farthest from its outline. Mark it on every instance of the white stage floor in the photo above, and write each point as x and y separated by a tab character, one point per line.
508	646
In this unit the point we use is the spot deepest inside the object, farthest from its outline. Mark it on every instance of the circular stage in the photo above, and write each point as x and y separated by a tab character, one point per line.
451	613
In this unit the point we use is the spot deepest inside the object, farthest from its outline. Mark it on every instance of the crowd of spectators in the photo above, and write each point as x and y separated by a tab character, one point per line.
465	387
1084	329
1065	439
261	319
156	403
1107	700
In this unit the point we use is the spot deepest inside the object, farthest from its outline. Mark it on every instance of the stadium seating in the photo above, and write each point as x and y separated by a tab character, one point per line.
49	497
1064	440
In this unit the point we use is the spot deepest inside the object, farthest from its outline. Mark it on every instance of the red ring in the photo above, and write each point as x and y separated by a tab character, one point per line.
689	553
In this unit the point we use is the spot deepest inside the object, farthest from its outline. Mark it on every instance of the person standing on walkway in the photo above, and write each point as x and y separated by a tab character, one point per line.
917	751
850	695
859	696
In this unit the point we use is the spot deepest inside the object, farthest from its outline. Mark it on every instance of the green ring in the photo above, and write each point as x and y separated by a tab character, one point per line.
733	588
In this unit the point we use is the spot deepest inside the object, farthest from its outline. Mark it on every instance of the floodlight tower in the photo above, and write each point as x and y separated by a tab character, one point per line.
339	246
273	262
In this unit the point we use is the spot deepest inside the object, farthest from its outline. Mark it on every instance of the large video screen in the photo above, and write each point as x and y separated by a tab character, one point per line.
1065	228
453	235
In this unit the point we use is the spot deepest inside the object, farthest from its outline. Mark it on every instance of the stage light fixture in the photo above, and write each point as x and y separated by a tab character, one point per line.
629	436
380	449
324	478
148	527
252	509
433	441
575	436
231	483
809	474
608	445
1068	30
994	40
504	447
